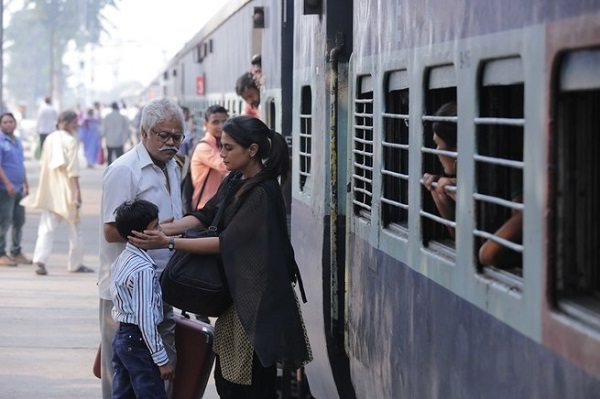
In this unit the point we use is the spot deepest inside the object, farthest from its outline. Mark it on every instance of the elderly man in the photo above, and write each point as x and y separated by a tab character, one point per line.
149	172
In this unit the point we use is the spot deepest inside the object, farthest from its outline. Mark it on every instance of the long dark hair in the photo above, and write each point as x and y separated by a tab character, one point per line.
272	148
446	130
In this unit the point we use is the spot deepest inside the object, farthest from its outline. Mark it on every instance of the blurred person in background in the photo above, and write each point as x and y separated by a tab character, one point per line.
46	120
58	195
89	133
190	141
13	187
115	131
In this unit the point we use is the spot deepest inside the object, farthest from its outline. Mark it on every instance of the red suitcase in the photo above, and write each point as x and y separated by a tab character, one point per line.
195	357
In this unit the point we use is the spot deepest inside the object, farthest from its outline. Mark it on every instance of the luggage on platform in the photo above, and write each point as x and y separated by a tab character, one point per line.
195	357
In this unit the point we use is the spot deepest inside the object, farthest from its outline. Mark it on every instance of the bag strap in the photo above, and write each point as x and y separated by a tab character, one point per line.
195	206
213	229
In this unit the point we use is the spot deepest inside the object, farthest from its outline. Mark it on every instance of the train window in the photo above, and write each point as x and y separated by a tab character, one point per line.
498	195
362	148
576	184
439	160
394	145
305	134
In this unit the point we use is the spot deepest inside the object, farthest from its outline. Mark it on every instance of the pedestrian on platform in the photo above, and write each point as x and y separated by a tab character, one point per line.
186	148
58	195
13	187
89	133
46	120
207	166
139	359
115	131
148	171
264	326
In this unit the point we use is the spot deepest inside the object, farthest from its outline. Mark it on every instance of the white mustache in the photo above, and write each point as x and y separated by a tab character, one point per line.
175	149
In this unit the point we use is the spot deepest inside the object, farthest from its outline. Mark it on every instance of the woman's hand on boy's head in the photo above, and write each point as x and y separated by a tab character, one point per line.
149	239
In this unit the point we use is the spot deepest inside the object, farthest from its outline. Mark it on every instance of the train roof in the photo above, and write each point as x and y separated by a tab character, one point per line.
226	12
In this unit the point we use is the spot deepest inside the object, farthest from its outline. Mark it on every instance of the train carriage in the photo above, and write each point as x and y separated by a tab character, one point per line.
402	300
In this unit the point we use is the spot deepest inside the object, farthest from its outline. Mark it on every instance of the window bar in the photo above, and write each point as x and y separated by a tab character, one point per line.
394	174
394	116
509	244
438	219
500	121
394	145
364	179
363	167
392	202
451	154
499	201
362	205
500	161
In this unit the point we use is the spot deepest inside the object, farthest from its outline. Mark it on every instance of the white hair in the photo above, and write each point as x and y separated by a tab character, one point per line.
160	110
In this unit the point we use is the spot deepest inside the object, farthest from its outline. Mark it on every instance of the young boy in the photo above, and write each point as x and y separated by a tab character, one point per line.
139	358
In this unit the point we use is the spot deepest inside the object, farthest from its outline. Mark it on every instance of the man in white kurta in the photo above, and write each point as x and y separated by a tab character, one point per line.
58	194
148	171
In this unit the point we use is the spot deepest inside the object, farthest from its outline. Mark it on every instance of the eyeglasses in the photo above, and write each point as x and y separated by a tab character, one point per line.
165	136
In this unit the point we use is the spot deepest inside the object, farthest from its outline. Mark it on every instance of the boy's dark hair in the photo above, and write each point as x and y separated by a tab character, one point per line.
245	82
134	215
214	109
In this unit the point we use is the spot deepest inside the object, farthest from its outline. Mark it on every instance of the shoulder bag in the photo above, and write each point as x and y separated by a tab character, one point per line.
196	282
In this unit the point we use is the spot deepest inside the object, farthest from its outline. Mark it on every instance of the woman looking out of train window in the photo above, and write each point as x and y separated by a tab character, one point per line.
264	325
444	136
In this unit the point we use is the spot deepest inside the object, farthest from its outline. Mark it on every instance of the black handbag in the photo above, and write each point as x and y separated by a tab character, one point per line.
196	282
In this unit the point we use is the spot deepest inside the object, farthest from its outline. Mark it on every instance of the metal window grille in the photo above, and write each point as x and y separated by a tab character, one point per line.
498	195
575	212
394	143
362	149
441	90
305	152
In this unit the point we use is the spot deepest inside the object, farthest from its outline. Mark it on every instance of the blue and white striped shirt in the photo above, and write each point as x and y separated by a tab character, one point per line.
137	298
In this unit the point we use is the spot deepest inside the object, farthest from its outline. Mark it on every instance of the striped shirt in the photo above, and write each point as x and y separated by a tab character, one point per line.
137	298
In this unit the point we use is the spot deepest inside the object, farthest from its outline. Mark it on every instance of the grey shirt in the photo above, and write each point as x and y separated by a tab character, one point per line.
115	129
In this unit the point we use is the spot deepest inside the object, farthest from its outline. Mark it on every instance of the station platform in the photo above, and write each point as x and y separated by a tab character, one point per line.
49	324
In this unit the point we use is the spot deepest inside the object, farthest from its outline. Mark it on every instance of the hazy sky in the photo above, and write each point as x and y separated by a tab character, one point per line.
144	35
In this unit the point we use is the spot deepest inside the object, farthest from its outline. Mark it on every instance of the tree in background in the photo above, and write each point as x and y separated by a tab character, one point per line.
37	39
